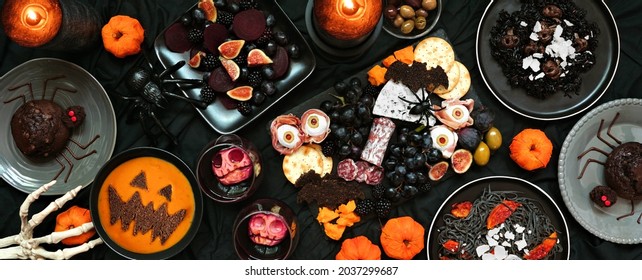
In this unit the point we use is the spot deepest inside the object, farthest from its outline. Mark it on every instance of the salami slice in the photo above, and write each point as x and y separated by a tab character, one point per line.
374	175
380	133
362	171
347	169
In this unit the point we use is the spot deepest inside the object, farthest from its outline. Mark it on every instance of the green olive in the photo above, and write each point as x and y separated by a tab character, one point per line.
429	5
482	154
406	11
407	26
493	138
398	21
420	23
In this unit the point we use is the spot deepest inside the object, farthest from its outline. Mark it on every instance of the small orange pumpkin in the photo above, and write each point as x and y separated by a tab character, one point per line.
358	248
402	238
74	217
531	149
123	35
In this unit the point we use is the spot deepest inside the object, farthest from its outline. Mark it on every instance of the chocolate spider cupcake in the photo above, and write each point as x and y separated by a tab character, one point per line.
603	196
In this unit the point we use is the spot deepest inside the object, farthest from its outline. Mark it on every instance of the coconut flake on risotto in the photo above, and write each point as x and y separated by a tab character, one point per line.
545	46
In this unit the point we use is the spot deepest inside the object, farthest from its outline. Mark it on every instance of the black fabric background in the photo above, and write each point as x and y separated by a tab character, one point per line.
460	19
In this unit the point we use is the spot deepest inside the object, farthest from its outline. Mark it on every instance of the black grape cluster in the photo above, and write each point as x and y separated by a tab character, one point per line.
405	165
350	118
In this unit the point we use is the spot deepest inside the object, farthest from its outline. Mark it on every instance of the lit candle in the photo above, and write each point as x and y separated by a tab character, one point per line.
346	23
50	24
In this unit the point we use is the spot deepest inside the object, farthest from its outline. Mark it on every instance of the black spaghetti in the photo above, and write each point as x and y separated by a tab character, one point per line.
471	233
544	46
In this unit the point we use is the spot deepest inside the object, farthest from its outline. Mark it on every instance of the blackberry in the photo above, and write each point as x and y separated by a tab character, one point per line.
378	191
195	36
370	89
254	78
210	62
241	59
382	208
207	94
248	4
328	148
425	187
224	18
265	37
245	108
364	207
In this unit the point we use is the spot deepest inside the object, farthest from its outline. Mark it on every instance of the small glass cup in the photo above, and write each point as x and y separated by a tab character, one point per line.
211	185
247	249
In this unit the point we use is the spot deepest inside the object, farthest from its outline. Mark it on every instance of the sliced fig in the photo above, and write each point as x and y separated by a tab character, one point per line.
280	62
256	57
242	93
438	171
249	24
209	9
176	38
232	69
213	36
231	48
196	57
461	160
220	81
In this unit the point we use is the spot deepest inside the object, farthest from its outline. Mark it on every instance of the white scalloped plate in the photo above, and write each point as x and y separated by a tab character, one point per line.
600	221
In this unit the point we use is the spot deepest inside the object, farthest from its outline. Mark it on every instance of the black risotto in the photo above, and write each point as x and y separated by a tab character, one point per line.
545	46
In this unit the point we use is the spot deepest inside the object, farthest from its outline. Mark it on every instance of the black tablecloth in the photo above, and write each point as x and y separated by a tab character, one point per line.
214	239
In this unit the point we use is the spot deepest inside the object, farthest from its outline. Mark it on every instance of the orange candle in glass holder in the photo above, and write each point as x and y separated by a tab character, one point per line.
50	24
346	22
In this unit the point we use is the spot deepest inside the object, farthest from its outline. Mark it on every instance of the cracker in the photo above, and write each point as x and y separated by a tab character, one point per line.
304	159
435	51
453	79
462	86
327	161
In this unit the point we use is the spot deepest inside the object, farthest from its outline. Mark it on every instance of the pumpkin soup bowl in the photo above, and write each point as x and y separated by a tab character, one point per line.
146	204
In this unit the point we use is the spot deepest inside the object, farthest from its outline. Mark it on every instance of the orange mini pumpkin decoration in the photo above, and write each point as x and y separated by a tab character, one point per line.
74	217
402	238
123	35
358	248
531	149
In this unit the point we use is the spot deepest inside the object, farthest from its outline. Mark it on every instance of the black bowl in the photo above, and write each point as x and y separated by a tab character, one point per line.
137	153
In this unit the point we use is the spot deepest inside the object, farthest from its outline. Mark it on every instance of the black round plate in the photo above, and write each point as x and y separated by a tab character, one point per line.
594	82
474	189
136	153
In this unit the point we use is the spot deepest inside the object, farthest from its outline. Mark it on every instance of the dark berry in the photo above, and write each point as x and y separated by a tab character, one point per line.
247	4
340	87
243	74
268	88
434	155
268	72
207	94
382	208
345	150
364	207
270	20
293	51
258	97
198	15
225	18
425	187
245	108
195	35
241	59
327	106
378	190
266	37
210	62
220	3
254	79
281	38
233	7
270	48
409	191
370	89
355	82
328	148
186	19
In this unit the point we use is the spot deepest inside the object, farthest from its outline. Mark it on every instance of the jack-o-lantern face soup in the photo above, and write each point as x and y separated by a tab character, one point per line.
146	205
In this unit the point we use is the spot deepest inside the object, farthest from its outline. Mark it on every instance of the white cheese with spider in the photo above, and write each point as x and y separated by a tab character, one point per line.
389	103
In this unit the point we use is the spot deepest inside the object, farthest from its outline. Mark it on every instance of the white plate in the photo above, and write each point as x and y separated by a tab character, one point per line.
600	221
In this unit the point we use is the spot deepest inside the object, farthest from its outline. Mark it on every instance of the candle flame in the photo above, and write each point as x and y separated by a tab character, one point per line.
350	9
34	16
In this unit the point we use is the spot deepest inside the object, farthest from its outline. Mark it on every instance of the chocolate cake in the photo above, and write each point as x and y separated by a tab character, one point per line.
623	170
603	196
38	129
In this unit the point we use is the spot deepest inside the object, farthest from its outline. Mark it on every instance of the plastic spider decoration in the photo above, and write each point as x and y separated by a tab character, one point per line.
423	106
152	94
621	171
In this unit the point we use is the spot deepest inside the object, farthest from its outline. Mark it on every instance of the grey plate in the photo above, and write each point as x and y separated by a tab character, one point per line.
594	82
28	175
474	189
600	221
224	120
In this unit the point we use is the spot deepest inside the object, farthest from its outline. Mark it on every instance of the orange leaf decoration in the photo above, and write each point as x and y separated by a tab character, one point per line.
358	248
531	149
501	212
406	55
74	217
334	231
402	238
122	36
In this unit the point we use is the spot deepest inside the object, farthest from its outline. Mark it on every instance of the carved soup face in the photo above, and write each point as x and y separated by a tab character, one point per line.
146	205
267	229
232	165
